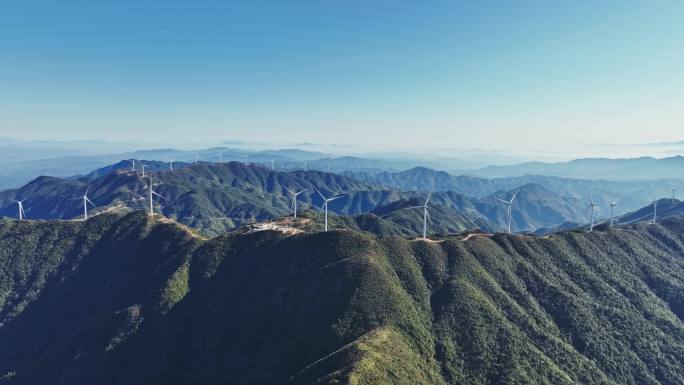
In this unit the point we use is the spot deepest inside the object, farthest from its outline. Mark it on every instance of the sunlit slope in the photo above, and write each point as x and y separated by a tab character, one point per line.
134	300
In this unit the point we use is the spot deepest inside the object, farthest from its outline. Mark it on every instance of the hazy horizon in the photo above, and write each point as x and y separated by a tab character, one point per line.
523	77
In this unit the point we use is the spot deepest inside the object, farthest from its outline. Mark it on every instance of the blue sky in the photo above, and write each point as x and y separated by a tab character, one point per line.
489	74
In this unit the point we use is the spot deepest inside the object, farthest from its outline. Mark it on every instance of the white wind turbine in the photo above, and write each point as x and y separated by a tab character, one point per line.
196	158
592	206
426	214
220	156
171	165
655	211
132	165
272	164
151	192
294	200
674	189
86	200
20	205
143	169
612	209
325	205
509	209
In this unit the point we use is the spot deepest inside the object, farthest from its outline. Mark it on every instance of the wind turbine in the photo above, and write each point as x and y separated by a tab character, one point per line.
195	158
86	200
272	164
509	209
592	206
133	165
325	205
20	205
220	156
143	169
151	192
673	194
612	208
245	159
171	165
294	200
655	211
426	214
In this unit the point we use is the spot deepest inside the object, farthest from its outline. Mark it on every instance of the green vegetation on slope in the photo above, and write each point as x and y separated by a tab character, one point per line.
139	300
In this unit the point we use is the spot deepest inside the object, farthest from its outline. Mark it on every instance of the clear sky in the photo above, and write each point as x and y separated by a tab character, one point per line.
490	74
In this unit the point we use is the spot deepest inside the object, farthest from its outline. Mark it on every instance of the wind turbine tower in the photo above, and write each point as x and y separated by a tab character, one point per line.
509	209
133	165
220	156
655	211
325	205
151	192
294	200
20	205
86	200
426	214
592	206
171	165
612	209
674	189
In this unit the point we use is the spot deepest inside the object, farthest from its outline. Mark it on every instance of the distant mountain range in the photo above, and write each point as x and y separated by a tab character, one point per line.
144	300
21	162
632	195
665	208
215	197
14	173
627	169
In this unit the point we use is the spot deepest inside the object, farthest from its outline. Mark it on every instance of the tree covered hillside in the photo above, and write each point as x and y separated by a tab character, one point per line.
138	300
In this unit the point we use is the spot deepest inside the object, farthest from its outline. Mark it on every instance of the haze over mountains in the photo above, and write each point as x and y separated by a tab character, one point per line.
203	292
215	197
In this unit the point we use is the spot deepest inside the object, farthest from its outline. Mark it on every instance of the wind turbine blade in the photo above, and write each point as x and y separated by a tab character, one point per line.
300	192
412	207
337	197
428	198
319	193
514	195
428	217
288	190
91	202
320	213
155	193
501	200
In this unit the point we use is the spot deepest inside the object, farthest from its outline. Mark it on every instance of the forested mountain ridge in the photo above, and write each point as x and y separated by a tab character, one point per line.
140	300
632	194
208	196
215	197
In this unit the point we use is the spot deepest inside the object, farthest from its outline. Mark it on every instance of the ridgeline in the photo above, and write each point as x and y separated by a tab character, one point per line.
140	300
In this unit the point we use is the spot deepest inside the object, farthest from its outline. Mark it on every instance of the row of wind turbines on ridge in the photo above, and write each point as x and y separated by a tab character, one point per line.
324	208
